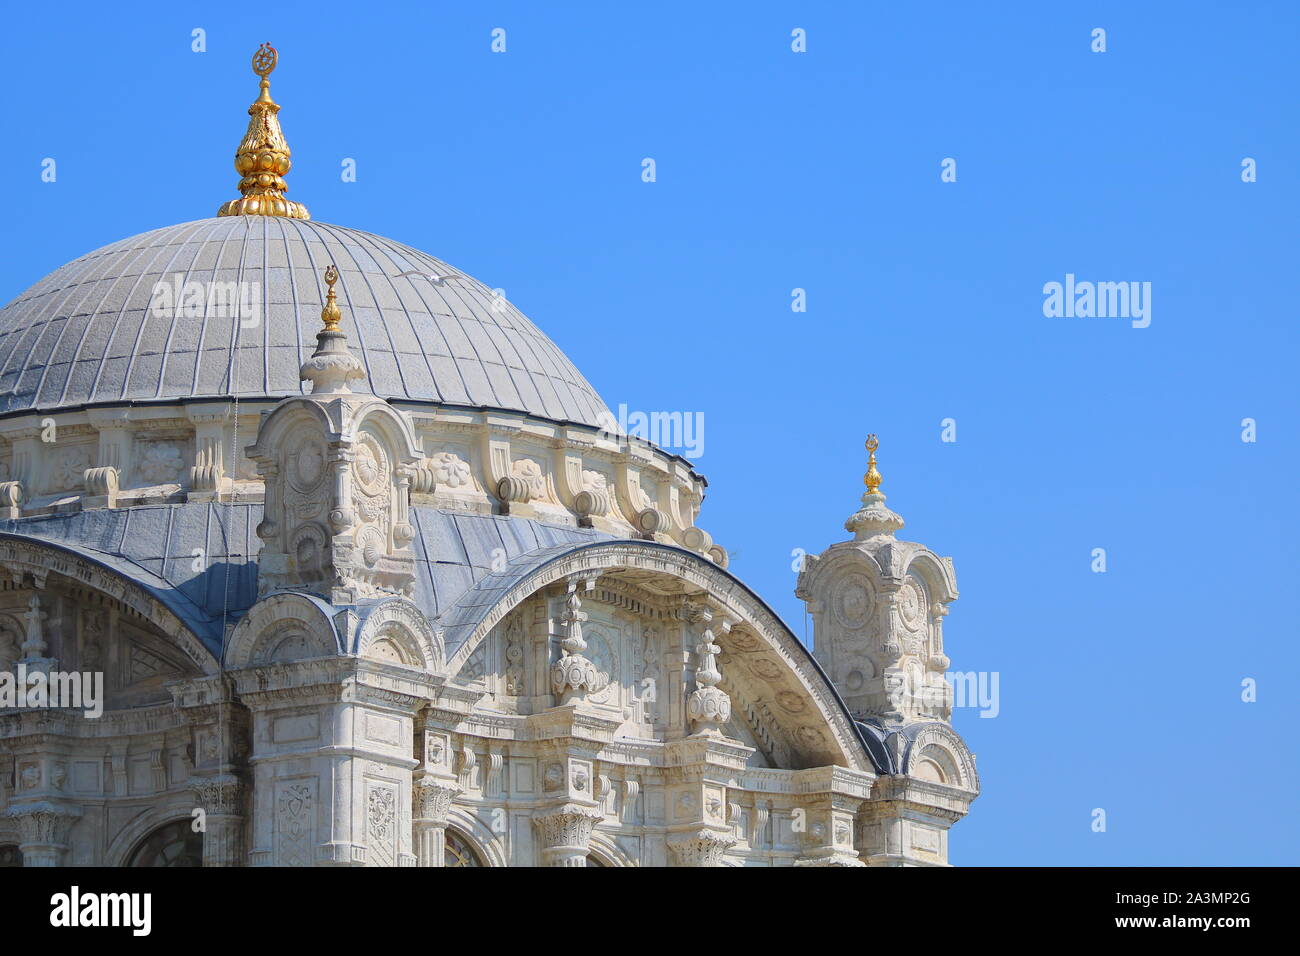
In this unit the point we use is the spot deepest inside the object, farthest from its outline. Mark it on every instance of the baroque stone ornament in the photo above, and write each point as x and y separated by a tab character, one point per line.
708	707
573	675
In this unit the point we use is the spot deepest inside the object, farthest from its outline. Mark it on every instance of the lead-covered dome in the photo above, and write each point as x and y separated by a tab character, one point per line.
107	327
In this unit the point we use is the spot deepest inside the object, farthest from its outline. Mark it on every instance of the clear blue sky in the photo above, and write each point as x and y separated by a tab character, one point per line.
821	171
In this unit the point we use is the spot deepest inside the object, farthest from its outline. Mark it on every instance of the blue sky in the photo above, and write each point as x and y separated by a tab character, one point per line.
821	171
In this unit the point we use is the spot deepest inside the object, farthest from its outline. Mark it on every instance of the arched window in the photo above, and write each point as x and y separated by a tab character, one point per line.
458	851
10	856
175	844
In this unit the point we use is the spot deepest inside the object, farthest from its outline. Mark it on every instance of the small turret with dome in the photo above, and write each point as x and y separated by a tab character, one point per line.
878	606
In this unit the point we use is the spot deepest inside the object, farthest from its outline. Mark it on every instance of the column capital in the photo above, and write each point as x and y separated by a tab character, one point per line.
434	796
565	832
43	829
220	794
705	846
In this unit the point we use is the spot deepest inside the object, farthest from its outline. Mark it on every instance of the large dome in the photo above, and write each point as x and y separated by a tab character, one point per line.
93	332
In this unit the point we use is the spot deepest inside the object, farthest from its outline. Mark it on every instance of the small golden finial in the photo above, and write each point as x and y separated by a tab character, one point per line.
872	478
331	315
263	157
264	61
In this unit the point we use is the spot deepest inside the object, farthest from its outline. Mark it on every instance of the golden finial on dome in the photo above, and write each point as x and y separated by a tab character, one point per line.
872	478
330	315
263	157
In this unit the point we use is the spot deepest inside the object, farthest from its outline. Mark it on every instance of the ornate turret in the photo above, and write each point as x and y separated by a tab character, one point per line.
331	366
263	157
337	471
878	606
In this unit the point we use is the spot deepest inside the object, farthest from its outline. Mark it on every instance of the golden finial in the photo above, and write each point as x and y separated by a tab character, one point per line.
264	61
872	478
263	157
330	315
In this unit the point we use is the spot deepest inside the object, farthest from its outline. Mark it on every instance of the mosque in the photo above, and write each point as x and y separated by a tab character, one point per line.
369	581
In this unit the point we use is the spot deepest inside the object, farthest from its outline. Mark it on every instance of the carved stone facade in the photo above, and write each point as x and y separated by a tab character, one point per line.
693	730
435	611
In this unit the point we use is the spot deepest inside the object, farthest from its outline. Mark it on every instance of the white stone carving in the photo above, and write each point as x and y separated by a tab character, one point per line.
160	463
572	674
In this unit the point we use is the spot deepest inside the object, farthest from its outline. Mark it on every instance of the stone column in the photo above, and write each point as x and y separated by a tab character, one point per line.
43	829
574	735
222	799
219	734
433	799
566	833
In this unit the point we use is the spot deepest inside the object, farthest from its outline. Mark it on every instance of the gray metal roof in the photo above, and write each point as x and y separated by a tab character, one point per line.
459	574
154	545
456	551
85	334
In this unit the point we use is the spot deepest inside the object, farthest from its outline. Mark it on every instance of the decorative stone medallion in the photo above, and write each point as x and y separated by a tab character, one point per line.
911	605
370	466
852	602
306	464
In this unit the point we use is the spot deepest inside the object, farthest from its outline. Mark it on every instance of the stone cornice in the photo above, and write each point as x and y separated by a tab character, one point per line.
921	796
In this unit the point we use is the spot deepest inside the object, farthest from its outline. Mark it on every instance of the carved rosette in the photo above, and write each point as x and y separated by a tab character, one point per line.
703	847
565	833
